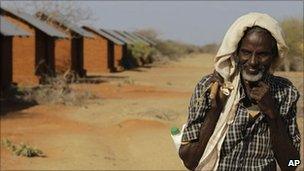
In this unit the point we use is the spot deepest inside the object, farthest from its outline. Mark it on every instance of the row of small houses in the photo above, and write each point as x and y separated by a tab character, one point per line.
32	47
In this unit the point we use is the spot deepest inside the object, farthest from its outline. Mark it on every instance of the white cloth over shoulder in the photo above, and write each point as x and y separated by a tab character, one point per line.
226	67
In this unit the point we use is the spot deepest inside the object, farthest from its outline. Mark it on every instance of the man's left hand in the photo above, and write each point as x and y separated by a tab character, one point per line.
261	94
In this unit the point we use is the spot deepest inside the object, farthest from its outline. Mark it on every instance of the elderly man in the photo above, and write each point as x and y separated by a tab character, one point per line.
242	117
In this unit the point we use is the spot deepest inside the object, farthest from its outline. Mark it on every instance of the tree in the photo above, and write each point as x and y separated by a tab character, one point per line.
293	30
72	11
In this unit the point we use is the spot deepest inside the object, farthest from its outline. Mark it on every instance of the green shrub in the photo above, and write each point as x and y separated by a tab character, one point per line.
140	52
22	149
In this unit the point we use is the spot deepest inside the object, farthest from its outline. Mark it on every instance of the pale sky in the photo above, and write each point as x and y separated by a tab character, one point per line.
196	22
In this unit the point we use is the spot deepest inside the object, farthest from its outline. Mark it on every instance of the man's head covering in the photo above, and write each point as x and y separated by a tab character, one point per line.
226	67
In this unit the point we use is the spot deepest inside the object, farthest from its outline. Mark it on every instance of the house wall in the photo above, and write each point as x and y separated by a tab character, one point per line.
63	50
69	52
96	55
63	55
24	61
23	55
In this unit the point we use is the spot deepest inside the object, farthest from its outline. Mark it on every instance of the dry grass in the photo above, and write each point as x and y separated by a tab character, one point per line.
56	91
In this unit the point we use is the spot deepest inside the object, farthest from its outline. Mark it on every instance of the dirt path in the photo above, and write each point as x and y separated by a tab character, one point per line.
127	128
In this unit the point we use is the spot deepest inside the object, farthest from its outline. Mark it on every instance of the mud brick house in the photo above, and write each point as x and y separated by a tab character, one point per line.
104	53
33	57
71	51
7	32
127	60
120	52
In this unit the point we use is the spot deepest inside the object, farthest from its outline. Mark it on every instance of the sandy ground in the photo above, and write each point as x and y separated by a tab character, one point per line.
126	128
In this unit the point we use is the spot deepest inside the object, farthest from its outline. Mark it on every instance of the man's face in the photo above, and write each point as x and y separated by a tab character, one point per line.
255	55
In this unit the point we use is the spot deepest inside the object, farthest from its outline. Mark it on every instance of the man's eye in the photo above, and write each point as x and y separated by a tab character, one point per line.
264	54
244	52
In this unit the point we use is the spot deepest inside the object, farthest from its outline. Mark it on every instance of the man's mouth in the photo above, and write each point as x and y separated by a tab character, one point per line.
252	71
252	74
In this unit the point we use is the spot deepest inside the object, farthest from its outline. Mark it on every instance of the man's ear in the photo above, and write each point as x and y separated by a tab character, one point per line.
274	64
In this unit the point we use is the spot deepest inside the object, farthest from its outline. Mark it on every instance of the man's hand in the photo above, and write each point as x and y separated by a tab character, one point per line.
218	99
262	96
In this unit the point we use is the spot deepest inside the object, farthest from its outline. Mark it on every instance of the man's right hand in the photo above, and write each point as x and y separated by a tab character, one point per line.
218	99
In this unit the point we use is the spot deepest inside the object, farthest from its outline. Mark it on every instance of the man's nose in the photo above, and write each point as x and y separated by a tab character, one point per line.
253	60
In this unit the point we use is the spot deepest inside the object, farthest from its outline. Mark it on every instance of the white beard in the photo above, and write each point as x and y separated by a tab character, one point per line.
252	78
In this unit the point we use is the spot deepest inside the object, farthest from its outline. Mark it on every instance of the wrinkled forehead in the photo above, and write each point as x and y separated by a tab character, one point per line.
258	37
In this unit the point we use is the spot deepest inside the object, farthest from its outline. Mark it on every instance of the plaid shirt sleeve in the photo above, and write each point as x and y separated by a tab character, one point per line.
199	104
288	110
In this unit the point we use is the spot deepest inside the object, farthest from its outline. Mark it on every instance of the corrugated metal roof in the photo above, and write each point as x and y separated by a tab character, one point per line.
126	36
137	38
113	33
61	19
47	29
9	29
104	34
132	33
113	37
145	38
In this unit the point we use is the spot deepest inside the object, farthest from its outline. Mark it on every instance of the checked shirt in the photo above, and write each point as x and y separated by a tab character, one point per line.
247	144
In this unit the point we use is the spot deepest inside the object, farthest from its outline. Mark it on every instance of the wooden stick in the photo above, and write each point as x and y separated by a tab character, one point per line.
213	90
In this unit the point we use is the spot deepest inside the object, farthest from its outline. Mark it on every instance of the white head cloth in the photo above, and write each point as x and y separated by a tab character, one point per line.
226	67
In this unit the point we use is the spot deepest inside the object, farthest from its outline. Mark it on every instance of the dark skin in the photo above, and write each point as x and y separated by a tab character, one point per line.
254	54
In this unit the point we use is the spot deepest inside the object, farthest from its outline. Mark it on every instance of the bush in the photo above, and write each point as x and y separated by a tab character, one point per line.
155	56
140	52
174	49
209	48
165	50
